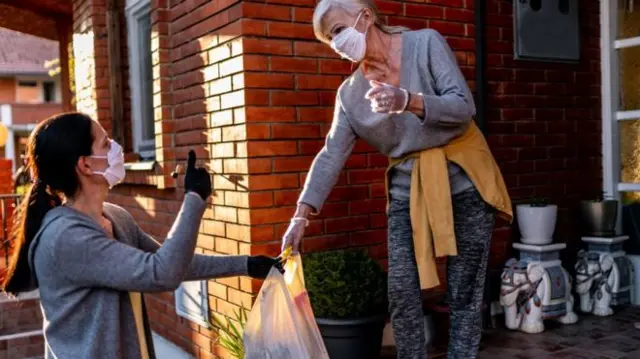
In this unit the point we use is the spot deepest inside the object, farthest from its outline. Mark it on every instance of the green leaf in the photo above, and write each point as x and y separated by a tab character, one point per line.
229	336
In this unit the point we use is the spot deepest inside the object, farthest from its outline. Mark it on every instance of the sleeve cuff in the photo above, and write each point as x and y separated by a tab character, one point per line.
311	199
194	199
428	104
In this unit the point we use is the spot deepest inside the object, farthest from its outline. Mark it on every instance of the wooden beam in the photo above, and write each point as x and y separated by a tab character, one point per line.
50	8
115	72
65	34
28	22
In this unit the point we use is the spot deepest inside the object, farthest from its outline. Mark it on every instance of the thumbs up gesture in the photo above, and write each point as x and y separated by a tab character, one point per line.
197	179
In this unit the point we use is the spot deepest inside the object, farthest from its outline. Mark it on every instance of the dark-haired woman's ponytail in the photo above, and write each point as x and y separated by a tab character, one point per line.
27	220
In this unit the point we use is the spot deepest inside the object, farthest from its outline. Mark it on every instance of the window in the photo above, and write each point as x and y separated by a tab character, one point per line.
49	91
620	51
37	90
192	302
141	77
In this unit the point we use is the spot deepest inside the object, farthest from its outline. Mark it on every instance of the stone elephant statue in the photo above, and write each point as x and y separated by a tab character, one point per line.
595	282
521	294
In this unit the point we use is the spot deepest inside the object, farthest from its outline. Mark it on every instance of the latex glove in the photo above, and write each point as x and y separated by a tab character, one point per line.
386	98
197	179
260	266
293	236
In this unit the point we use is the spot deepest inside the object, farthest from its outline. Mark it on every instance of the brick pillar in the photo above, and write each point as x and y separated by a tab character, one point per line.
90	59
207	114
162	88
65	34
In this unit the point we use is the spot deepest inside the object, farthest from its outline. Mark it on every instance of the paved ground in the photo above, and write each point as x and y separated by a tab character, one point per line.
591	338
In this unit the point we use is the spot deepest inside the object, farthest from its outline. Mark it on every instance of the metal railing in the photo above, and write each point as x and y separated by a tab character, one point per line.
8	205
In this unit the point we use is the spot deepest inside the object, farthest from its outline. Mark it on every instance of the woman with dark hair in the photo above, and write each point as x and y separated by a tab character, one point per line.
89	258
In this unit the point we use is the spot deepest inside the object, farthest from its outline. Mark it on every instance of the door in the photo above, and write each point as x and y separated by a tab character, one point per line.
620	65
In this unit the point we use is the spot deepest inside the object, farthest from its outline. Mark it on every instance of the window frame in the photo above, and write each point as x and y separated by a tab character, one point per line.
612	114
136	10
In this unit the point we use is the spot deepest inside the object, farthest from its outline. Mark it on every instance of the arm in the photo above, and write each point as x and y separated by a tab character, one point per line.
202	266
86	257
327	165
453	103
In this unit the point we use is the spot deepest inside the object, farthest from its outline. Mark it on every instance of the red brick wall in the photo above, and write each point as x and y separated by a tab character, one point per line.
16	316
22	348
20	317
7	90
6	183
544	123
6	187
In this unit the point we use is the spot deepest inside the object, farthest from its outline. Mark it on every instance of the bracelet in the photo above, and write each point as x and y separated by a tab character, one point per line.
301	219
406	100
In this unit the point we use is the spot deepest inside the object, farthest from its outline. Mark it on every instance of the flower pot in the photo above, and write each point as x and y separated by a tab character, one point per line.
599	218
352	338
536	223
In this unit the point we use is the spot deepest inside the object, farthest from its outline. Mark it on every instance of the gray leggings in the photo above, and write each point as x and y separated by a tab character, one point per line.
473	220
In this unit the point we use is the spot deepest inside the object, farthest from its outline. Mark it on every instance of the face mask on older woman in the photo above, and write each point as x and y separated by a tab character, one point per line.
350	43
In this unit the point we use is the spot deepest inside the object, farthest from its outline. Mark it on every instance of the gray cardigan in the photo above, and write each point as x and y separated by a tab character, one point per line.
429	67
84	276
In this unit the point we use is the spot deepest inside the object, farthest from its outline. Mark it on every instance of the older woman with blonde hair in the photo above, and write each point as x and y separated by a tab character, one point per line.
409	100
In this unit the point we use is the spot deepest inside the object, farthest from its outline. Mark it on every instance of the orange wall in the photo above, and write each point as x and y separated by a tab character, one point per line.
29	94
25	113
7	90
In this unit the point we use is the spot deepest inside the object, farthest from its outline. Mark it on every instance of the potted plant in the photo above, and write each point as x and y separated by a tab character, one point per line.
347	290
599	216
537	221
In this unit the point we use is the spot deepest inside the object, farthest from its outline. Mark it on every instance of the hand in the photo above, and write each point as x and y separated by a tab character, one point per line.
386	98
197	179
259	266
293	236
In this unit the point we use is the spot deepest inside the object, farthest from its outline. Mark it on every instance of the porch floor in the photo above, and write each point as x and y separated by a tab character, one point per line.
591	338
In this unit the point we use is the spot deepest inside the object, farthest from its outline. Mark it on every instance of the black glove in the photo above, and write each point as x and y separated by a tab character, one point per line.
197	179
260	266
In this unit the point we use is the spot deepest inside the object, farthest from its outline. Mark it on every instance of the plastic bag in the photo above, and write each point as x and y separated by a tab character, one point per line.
281	324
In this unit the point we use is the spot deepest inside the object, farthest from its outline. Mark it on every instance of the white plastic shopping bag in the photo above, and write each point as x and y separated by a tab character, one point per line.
281	324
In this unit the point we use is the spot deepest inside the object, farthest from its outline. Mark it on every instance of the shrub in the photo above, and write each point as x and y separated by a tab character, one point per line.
345	284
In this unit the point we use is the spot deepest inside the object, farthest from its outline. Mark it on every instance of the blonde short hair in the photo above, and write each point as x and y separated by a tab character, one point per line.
352	7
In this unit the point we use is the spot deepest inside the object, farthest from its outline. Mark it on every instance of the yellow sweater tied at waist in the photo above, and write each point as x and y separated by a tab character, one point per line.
431	210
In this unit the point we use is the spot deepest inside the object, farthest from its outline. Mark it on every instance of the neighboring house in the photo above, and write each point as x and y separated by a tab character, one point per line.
247	86
28	92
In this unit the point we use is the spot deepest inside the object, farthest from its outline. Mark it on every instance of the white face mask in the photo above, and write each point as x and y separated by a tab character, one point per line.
350	43
115	173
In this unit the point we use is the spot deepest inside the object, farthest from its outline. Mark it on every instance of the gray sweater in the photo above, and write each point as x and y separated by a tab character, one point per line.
85	276
429	67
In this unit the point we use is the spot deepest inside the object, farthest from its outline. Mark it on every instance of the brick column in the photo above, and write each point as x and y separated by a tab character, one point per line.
163	114
90	58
